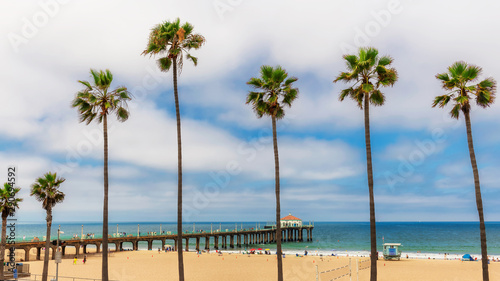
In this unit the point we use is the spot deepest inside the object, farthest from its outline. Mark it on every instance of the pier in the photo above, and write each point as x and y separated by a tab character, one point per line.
237	238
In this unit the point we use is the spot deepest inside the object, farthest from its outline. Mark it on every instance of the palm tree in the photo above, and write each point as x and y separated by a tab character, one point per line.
170	40
459	80
95	102
369	72
46	190
273	91
8	205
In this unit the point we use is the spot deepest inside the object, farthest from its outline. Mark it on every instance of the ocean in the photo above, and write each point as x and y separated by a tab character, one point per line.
419	239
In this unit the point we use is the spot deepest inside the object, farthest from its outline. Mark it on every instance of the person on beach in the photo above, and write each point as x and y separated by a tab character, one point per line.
84	259
75	260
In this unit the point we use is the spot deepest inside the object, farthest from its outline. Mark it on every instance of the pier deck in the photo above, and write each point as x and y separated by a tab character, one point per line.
237	238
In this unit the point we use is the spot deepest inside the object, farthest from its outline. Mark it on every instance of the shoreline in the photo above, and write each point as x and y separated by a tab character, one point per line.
91	250
366	254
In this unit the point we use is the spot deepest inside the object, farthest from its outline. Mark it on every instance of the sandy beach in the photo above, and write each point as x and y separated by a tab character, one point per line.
151	265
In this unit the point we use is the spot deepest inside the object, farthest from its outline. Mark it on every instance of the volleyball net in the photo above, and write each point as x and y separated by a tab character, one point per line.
342	272
335	273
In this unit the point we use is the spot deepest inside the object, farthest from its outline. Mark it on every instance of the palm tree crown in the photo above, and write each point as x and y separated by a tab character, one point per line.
364	68
170	39
275	92
96	100
46	190
458	80
7	205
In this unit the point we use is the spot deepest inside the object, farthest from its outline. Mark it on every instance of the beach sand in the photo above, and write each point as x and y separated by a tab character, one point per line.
149	265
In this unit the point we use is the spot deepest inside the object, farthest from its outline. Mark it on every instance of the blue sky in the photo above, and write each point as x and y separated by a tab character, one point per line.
421	161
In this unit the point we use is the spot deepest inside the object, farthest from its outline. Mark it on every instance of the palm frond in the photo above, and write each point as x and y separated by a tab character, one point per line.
443	77
255	82
266	72
455	111
462	100
448	83
367	87
371	54
290	80
385	60
194	41
96	76
122	114
351	61
193	59
279	113
254	97
188	28
346	92
457	69
377	98
441	100
289	96
86	83
471	72
279	74
388	77
164	63
486	92
346	77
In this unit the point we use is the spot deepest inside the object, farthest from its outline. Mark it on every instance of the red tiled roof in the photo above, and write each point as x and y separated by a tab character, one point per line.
289	218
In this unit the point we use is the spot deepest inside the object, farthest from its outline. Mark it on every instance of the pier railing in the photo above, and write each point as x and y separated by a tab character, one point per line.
62	278
152	233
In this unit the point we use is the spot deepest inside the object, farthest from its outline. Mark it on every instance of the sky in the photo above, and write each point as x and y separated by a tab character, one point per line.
421	161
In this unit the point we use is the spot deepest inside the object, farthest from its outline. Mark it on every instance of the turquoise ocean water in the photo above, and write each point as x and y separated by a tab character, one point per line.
424	237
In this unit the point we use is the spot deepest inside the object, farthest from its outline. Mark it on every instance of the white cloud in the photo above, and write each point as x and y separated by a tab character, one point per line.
40	130
415	151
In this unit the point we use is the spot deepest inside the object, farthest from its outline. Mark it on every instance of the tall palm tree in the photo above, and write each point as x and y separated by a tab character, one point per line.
459	80
170	40
96	102
369	72
8	205
273	91
46	190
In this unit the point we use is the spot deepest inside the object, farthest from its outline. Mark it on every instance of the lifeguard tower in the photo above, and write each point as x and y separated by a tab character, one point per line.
391	251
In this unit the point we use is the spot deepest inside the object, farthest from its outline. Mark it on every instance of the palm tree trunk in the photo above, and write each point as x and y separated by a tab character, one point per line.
278	205
179	176
479	201
47	245
3	243
373	231
105	208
